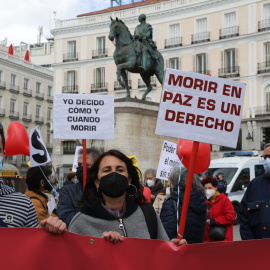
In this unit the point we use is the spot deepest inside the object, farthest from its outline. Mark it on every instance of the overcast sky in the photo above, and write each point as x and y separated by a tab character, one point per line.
20	19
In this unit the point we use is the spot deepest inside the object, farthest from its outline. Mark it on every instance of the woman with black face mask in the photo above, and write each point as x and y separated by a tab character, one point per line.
113	205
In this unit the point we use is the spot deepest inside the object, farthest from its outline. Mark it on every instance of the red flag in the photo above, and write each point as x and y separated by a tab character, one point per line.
27	58
10	50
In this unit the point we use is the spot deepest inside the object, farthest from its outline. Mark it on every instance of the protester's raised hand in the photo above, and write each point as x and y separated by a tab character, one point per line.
113	237
53	225
179	242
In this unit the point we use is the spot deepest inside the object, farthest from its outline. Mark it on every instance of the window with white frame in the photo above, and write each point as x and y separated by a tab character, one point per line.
100	77
38	111
101	49
267	54
229	24
71	79
230	60
1	76
72	49
266	12
49	114
201	63
12	105
25	83
201	29
267	98
48	136
38	87
25	108
174	63
174	34
49	91
13	79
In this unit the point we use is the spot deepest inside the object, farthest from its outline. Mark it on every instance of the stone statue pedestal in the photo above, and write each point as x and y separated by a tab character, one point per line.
134	134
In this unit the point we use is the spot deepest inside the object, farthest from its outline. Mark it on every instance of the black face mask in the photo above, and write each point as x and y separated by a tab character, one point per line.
79	173
113	184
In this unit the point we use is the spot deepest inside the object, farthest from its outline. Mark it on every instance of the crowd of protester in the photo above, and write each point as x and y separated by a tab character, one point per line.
112	204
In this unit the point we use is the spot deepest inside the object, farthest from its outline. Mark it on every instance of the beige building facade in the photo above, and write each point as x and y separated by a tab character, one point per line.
224	38
26	96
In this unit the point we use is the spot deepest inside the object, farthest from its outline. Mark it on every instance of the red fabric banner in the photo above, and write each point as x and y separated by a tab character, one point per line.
38	249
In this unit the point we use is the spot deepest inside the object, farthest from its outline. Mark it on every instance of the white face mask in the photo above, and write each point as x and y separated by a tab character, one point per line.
150	182
209	193
168	192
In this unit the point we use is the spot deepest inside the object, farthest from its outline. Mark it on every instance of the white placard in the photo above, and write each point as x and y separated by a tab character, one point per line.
78	116
38	151
168	159
200	108
76	157
51	205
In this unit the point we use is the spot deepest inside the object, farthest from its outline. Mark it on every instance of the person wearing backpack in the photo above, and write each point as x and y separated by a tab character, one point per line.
113	205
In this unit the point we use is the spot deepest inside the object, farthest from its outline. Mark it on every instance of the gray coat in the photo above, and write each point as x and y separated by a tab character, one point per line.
94	220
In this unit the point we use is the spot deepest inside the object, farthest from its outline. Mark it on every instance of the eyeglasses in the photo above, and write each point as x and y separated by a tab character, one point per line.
264	157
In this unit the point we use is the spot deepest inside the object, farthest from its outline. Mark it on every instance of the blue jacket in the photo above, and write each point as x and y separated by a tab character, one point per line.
196	217
67	206
254	209
222	186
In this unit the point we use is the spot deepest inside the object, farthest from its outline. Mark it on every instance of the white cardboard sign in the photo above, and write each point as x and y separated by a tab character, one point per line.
78	116
168	159
76	157
200	108
38	151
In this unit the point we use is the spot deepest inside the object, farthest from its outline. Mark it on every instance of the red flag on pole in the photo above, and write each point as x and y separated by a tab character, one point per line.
10	50
27	58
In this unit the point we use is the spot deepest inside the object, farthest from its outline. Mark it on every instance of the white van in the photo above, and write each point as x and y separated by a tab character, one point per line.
239	168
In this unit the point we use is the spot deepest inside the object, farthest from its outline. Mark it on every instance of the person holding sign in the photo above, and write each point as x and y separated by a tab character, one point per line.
36	180
113	205
196	215
220	211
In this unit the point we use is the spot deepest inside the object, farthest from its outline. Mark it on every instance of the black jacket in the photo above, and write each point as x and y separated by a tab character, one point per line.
196	217
254	209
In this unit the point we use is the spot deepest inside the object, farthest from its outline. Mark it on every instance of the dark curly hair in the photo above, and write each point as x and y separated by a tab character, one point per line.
34	176
210	180
133	172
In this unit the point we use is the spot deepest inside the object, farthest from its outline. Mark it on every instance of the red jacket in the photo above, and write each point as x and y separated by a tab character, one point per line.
221	213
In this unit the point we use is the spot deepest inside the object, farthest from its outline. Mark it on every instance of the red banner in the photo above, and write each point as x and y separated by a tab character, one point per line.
38	249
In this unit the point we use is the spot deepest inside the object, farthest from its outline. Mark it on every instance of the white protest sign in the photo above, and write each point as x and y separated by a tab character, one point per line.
76	157
38	152
78	116
200	108
51	205
168	159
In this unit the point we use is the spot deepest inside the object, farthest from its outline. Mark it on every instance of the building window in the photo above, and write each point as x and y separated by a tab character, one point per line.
12	105
230	60
38	87
49	114
230	20
72	49
49	91
13	79
101	45
100	77
266	12
174	63
24	158
174	36
25	83
1	76
201	30
69	147
201	63
38	110
230	28
48	136
267	54
25	108
71	79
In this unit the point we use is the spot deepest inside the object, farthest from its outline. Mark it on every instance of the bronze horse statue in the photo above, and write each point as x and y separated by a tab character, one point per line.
127	59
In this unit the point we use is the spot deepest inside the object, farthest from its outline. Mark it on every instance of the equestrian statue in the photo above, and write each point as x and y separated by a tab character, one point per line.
136	54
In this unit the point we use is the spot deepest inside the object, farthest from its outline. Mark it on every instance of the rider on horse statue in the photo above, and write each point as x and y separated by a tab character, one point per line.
144	42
